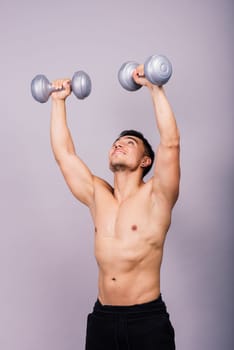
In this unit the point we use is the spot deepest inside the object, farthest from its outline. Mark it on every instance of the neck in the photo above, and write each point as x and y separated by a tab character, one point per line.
126	184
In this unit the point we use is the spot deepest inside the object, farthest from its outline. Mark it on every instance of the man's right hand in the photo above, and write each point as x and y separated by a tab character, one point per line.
64	89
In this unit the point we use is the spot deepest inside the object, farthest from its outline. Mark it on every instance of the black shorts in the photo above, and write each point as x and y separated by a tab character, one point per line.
143	326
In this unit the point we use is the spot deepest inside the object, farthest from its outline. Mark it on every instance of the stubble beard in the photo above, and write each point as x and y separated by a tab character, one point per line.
118	167
121	167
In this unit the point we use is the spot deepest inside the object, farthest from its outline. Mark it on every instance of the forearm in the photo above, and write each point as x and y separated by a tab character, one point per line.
165	119
61	140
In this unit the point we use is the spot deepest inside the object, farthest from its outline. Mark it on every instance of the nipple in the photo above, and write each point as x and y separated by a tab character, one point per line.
134	227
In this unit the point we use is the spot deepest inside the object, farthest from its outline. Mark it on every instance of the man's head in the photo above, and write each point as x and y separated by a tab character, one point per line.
135	145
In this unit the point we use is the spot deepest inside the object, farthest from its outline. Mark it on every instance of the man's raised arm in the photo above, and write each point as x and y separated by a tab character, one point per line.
167	165
78	177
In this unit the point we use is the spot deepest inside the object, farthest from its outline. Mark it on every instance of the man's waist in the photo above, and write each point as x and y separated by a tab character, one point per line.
147	309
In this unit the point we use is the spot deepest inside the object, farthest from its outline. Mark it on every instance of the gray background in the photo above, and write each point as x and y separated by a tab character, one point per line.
48	275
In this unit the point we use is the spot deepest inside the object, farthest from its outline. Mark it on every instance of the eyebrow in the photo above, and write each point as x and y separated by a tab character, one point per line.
132	138
127	137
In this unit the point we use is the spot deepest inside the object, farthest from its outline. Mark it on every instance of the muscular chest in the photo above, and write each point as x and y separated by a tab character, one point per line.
124	217
131	219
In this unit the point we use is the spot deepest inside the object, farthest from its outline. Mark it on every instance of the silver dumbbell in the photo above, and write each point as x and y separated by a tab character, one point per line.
157	69
41	88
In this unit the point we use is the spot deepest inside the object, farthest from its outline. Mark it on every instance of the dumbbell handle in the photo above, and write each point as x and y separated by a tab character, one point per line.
50	86
41	88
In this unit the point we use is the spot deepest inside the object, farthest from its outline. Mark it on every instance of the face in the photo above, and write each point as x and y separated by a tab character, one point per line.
126	152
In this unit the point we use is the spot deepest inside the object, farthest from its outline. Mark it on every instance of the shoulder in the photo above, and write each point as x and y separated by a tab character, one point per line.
103	195
101	184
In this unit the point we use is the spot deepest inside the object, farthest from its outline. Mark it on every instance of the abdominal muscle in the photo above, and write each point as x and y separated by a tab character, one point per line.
129	270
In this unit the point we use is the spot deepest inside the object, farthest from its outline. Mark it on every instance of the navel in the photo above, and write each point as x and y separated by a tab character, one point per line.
95	229
113	279
134	227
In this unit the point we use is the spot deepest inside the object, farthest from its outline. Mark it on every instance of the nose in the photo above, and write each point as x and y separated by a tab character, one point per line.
118	144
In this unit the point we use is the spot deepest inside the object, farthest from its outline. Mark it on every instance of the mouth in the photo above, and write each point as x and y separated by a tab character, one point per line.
118	151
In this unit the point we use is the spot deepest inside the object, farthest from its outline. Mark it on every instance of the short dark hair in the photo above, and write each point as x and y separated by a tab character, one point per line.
148	148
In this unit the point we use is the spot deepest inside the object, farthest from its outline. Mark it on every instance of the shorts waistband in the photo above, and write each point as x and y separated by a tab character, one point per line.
156	306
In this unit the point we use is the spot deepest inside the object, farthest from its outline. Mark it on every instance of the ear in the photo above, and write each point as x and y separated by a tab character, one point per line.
146	161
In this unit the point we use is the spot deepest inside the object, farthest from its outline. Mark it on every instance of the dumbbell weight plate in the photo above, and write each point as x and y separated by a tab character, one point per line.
158	69
125	76
41	88
81	84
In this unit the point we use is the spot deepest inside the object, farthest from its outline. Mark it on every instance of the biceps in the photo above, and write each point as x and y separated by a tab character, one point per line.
167	171
78	178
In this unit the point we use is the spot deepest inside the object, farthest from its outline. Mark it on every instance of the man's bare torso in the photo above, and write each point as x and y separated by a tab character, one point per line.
129	239
132	220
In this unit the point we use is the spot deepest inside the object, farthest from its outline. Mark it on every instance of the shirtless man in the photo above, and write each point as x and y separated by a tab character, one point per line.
131	220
